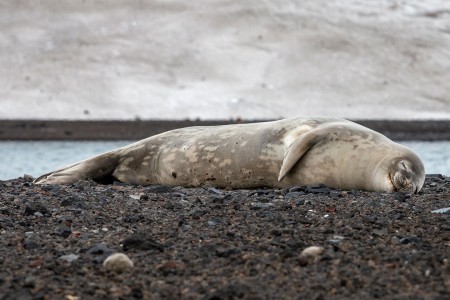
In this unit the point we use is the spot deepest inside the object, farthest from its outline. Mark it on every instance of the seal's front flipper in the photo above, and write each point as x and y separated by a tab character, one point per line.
94	168
300	146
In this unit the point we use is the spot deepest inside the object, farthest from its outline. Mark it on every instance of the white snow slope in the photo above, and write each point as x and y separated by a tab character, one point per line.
176	59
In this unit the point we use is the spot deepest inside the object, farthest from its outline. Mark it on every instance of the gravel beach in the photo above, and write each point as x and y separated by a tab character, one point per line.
206	243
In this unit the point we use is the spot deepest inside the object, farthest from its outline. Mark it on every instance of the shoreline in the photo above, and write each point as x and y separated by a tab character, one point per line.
420	130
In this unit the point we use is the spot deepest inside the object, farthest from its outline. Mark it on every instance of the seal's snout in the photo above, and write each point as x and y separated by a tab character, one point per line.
408	177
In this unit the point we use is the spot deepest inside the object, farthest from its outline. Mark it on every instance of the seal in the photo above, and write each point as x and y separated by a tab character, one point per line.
279	154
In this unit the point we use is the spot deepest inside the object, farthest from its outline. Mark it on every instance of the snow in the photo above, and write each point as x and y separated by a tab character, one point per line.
224	59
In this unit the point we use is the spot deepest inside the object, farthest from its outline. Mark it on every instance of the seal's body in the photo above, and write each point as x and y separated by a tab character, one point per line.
285	153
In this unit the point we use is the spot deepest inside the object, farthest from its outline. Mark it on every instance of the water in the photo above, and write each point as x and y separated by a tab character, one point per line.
36	158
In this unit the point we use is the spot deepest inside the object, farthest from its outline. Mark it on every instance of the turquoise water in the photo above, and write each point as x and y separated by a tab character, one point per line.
35	158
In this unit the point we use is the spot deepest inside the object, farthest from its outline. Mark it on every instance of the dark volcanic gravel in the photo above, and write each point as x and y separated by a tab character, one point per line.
206	243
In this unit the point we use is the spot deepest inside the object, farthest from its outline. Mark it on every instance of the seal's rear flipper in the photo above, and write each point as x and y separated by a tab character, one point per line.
94	168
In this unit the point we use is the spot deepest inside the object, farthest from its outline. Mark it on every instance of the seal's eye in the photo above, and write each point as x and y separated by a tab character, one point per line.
404	166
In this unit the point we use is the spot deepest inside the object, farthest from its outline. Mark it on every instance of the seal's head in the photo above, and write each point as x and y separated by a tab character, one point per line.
407	173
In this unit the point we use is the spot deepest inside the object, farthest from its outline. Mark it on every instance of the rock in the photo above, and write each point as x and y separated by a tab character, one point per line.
69	258
445	210
214	191
72	201
409	239
28	177
336	239
31	244
65	231
118	262
259	192
38	262
143	197
100	249
313	251
380	232
34	207
170	266
400	196
140	242
299	202
30	281
294	195
259	205
320	189
158	189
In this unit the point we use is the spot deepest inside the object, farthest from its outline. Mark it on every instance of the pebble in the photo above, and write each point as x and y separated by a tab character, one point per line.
444	210
337	239
409	239
100	249
320	189
118	262
32	208
65	231
259	205
69	258
313	251
294	195
140	242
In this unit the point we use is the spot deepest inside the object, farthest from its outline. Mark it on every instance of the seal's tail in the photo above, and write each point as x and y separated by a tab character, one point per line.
94	168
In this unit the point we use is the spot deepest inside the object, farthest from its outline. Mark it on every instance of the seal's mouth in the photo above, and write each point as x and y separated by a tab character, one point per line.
403	186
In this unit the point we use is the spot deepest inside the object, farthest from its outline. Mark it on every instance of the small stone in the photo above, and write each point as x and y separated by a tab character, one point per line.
38	214
313	251
69	258
158	189
31	244
380	232
259	205
299	202
445	210
337	239
170	266
211	223
32	208
214	191
320	189
65	231
294	195
409	239
37	262
118	262
28	177
143	197
140	242
100	249
30	281
401	196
